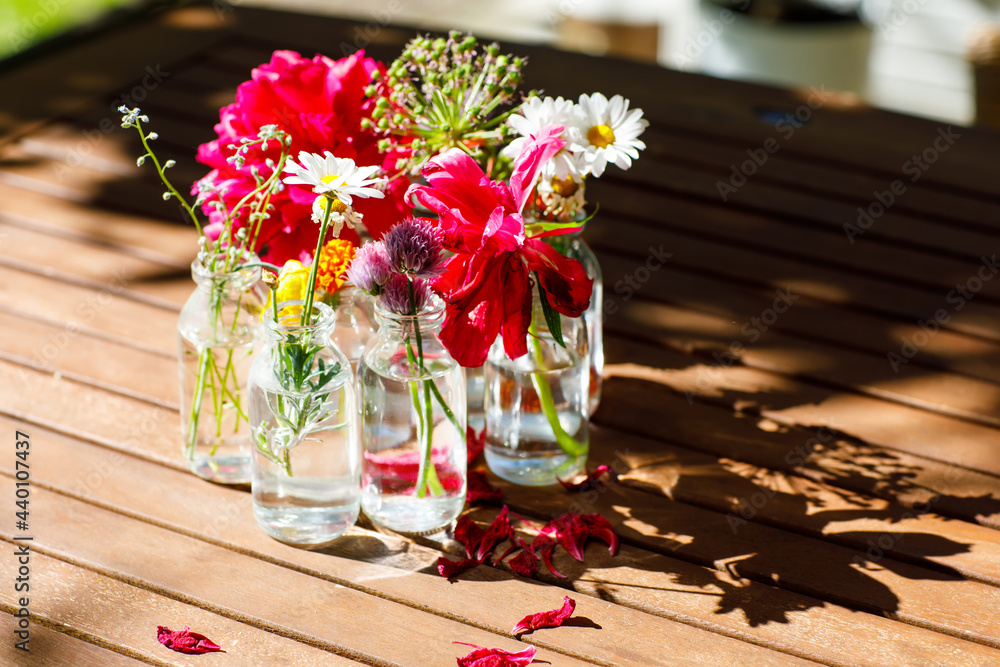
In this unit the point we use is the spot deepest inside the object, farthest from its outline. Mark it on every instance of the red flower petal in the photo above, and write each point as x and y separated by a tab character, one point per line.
546	619
496	657
570	531
544	546
480	489
524	564
498	531
599	527
593	480
451	568
185	641
468	534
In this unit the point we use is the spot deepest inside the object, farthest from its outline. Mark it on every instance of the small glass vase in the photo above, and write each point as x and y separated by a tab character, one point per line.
355	315
218	331
573	245
412	398
537	429
303	414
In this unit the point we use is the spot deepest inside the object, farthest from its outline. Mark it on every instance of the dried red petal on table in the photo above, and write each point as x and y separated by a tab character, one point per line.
185	641
452	568
570	531
474	444
498	531
524	564
601	528
480	489
496	657
468	534
592	480
543	546
546	619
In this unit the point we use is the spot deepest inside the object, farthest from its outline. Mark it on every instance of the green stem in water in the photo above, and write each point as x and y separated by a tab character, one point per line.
567	442
311	287
196	403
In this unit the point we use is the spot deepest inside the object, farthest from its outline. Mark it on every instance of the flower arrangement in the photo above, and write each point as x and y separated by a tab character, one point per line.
215	330
503	176
301	371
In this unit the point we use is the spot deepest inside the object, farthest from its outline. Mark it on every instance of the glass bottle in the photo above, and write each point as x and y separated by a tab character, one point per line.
413	412
218	331
355	322
574	246
537	428
303	414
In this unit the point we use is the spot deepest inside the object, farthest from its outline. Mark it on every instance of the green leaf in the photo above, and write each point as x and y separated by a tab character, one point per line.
551	316
539	227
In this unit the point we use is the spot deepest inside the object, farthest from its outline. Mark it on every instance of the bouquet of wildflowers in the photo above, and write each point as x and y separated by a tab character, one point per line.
336	184
218	370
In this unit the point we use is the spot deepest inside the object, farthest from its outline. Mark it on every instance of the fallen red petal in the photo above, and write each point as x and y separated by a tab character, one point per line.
480	490
601	528
468	534
592	481
452	568
524	564
543	546
546	619
498	531
496	657
570	531
185	641
474	444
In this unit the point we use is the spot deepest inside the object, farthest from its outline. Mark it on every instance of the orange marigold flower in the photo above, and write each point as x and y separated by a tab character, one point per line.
334	259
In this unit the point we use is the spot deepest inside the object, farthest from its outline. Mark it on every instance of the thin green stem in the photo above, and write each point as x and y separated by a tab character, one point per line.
199	390
568	444
311	286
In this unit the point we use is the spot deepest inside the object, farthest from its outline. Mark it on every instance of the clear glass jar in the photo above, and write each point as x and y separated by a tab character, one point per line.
412	400
574	246
537	428
303	415
218	331
355	315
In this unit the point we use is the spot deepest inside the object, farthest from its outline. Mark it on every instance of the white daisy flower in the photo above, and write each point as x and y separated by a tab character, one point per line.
333	177
606	131
536	114
339	214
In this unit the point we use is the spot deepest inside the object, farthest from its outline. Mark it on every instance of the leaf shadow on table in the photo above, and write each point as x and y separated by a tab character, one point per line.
755	501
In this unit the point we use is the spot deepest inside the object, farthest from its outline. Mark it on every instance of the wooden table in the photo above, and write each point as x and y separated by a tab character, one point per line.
790	492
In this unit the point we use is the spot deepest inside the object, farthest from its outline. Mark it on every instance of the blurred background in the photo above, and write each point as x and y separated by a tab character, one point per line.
934	58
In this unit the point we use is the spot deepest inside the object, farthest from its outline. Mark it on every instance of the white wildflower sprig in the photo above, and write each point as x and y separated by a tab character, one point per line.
230	246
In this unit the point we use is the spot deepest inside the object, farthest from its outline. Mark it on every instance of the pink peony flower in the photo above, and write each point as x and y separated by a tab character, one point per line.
319	102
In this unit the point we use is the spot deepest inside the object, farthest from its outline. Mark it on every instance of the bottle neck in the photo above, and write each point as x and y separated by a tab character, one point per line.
288	328
240	277
428	321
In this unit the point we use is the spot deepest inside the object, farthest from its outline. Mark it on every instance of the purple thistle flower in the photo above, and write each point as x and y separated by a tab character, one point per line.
370	269
414	248
395	295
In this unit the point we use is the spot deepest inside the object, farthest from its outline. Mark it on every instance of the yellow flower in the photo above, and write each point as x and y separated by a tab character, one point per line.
334	259
293	281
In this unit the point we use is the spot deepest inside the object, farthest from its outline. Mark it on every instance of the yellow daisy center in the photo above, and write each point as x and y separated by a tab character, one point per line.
564	187
601	136
335	205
